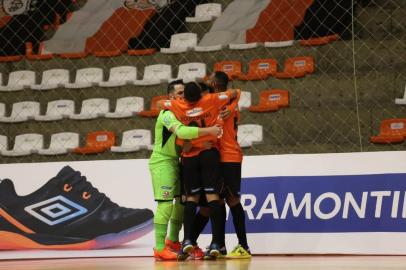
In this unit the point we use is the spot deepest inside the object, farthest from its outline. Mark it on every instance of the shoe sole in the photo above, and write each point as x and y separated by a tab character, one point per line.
187	249
15	241
214	253
238	257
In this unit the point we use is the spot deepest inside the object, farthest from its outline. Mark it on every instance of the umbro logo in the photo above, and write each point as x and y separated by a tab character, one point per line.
55	210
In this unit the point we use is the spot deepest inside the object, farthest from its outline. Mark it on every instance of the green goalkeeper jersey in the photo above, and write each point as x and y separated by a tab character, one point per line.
165	148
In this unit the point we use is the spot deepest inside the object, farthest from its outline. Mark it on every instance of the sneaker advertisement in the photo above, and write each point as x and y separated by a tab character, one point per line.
294	204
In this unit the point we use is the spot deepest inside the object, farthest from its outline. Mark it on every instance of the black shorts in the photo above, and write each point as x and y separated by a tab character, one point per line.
202	173
231	173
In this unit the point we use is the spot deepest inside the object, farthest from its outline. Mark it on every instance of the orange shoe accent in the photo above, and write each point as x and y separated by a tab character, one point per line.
196	254
174	246
13	221
166	254
14	241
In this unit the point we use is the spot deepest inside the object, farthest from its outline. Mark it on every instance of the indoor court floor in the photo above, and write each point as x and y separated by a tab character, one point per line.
256	263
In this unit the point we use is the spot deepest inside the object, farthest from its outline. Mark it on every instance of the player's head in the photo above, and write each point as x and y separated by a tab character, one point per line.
219	81
193	92
206	89
176	89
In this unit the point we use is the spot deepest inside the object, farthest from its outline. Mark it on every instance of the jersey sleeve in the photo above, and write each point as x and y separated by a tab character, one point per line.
222	99
171	123
234	103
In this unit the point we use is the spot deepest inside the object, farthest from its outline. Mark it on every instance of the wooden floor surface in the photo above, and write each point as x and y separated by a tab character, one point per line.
256	263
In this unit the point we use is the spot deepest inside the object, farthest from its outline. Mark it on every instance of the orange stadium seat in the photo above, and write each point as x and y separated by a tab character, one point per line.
260	69
296	67
271	100
154	108
319	40
13	58
111	53
391	131
31	56
141	52
232	68
97	142
76	55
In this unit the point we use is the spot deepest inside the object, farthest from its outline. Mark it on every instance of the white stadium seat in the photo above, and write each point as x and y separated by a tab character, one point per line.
18	80
52	79
3	143
205	13
181	43
2	109
245	100
249	134
243	46
22	111
92	108
401	101
155	74
25	144
120	76
211	48
86	77
61	143
57	109
127	107
191	71
134	140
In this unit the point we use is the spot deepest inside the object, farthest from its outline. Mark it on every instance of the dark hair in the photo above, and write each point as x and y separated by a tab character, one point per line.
171	85
206	87
221	80
193	92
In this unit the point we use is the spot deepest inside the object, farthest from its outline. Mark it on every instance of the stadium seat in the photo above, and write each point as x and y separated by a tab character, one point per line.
243	46
181	43
134	140
138	52
22	111
92	108
3	143
106	53
297	67
260	69
61	143
318	40
77	55
2	109
211	48
155	74
391	131
18	80
191	71
97	142
86	77
52	79
401	101
232	68
154	109
39	56
11	58
25	144
57	110
279	44
205	13
245	100
120	76
249	134
127	107
271	100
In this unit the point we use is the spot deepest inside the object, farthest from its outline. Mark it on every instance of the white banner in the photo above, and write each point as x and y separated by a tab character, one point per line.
352	203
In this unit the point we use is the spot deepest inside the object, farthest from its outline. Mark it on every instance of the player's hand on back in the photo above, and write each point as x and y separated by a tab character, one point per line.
225	113
215	130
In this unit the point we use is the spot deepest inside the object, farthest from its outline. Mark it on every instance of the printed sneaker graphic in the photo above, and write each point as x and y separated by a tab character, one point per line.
67	213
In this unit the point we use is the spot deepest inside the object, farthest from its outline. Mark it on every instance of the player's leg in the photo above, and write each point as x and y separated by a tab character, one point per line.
192	187
212	183
232	182
164	179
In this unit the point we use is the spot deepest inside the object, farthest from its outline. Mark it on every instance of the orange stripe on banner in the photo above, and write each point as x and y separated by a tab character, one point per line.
14	241
14	221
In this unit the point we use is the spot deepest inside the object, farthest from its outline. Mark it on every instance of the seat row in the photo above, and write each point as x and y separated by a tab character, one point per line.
270	100
391	131
259	69
101	141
